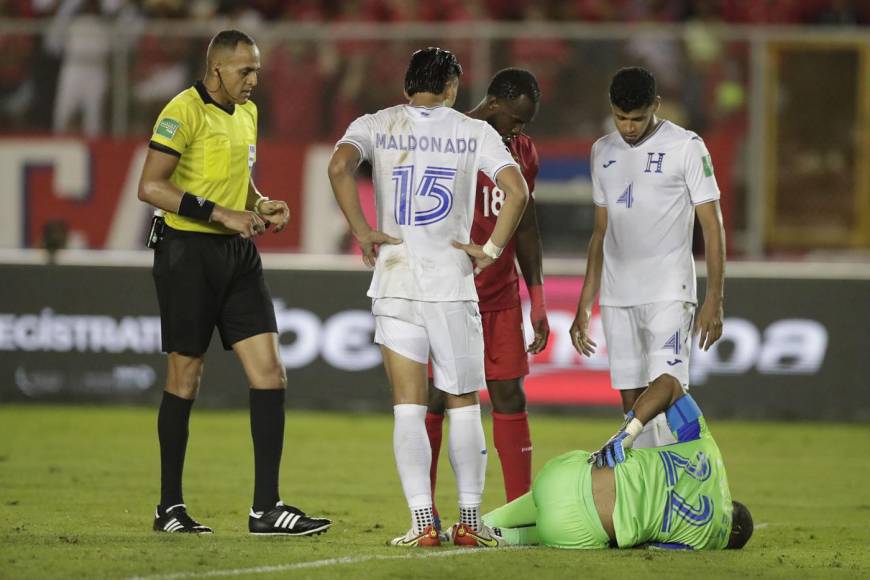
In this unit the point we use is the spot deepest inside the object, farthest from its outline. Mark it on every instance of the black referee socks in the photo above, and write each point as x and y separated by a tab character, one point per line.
172	431
267	431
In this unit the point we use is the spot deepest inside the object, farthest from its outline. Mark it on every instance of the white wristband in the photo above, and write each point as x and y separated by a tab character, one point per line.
633	429
491	250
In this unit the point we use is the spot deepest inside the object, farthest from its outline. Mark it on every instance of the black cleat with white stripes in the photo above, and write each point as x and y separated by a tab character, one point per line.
175	519
286	520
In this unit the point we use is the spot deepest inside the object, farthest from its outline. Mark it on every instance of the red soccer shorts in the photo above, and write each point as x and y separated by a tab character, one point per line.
504	344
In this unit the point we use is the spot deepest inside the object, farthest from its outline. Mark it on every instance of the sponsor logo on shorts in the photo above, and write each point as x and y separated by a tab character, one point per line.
676	361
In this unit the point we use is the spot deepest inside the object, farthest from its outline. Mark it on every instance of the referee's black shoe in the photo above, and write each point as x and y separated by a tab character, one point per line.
286	520
175	519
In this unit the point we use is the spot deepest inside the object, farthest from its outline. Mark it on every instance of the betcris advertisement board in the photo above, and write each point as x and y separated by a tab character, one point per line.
92	334
791	348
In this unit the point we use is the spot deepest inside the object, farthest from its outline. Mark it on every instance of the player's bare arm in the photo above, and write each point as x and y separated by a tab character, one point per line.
342	167
708	324
513	184
656	399
156	189
274	212
530	255
591	285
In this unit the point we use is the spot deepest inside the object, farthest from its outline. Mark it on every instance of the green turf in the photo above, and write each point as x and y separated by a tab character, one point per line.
78	488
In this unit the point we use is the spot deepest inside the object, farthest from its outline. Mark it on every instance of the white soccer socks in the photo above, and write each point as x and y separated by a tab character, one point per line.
413	459
467	450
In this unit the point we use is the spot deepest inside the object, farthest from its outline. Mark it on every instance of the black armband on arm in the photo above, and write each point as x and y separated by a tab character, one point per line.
164	149
194	207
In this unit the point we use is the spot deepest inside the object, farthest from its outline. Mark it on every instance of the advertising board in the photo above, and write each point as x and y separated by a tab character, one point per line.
791	348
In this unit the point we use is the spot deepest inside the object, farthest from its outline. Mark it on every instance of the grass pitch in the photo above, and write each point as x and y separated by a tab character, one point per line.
78	487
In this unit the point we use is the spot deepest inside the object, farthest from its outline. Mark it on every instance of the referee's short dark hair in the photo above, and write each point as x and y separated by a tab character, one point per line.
430	69
632	88
230	39
513	83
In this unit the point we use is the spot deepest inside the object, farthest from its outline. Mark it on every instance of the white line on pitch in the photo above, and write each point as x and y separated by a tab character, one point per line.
761	526
319	564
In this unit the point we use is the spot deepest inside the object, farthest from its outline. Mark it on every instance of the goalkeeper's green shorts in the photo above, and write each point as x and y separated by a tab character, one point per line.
558	512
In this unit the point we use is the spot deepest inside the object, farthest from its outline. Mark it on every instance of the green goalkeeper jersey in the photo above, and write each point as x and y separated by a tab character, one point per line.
674	494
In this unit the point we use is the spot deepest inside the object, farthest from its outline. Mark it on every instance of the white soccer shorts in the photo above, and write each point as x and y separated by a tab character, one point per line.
450	333
647	341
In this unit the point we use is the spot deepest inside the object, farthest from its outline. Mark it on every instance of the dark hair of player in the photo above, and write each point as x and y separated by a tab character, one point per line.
430	69
230	39
632	88
741	527
512	83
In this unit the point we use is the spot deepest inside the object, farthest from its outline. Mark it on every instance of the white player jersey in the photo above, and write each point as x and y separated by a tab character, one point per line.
424	167
650	190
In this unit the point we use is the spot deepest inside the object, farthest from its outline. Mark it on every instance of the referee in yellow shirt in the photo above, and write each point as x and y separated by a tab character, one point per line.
208	273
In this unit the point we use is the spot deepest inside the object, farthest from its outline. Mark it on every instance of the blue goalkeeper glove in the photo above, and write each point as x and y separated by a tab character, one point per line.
613	451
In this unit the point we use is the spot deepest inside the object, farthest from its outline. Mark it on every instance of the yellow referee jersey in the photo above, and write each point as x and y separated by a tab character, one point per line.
217	149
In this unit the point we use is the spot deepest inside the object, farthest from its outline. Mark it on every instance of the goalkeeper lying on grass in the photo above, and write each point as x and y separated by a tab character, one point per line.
674	497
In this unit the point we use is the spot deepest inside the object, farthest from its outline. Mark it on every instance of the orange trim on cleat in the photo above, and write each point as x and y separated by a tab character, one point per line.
463	535
428	538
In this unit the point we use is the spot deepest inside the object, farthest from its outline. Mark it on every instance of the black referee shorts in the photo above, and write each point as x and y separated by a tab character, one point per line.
208	280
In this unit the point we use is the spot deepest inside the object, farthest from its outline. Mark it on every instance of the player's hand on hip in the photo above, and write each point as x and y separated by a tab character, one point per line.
246	223
276	213
542	335
580	335
708	323
370	242
477	255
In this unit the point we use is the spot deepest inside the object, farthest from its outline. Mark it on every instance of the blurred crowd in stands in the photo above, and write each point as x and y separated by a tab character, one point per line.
730	11
62	80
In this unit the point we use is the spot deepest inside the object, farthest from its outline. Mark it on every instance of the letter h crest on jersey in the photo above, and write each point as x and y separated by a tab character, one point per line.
654	159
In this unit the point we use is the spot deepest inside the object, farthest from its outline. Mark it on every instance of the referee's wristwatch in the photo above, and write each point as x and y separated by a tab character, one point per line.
258	203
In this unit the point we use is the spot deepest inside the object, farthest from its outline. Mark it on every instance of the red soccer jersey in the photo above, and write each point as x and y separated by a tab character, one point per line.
497	285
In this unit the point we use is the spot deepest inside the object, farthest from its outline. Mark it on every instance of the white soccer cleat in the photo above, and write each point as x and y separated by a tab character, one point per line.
485	537
428	538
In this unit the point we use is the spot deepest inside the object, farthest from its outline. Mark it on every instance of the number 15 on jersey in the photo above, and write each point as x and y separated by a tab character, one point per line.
435	183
